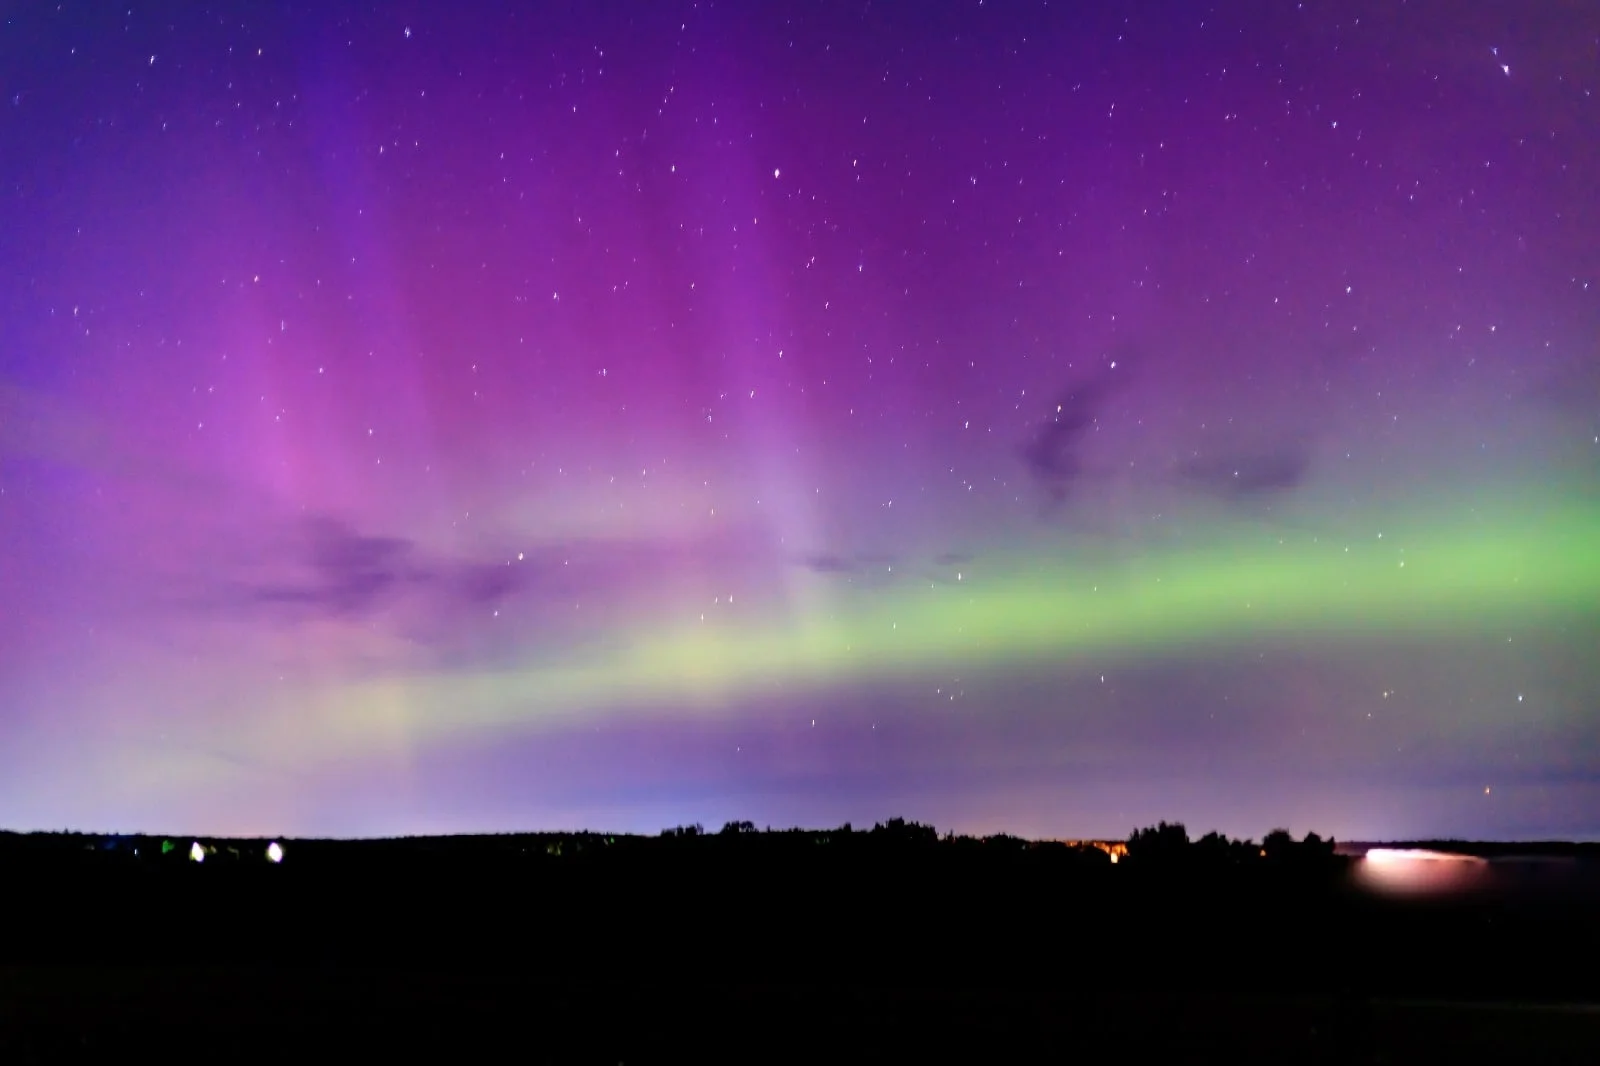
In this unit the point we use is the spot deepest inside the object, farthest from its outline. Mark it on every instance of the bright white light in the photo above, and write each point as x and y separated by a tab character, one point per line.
1399	855
1414	871
274	852
196	852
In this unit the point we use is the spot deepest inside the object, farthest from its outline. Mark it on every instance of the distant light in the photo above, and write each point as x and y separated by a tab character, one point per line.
1384	856
274	852
1417	871
1113	858
196	852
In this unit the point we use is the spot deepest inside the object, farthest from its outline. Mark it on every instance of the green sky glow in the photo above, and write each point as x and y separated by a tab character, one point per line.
1455	578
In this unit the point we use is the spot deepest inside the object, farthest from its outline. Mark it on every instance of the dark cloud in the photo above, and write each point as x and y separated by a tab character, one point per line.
323	567
351	572
859	563
335	570
878	570
1248	474
829	564
1054	454
329	568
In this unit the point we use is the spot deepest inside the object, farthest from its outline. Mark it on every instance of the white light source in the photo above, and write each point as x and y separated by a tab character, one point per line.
1418	871
196	852
274	852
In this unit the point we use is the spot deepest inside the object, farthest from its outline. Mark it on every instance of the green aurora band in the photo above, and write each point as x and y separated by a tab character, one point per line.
1448	580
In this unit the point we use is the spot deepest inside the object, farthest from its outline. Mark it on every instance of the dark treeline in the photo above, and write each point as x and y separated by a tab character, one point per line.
1166	846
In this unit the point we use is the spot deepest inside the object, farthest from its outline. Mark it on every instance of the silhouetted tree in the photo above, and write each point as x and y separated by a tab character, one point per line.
1163	843
1215	849
900	831
694	830
1313	852
1278	845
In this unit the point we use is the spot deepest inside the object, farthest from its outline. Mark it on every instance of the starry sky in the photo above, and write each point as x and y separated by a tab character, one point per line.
1047	418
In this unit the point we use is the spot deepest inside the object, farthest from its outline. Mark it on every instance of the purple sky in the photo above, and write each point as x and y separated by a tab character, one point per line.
492	416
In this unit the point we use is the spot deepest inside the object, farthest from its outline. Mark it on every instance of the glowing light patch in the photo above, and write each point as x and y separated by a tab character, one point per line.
274	852
196	852
1417	871
1391	856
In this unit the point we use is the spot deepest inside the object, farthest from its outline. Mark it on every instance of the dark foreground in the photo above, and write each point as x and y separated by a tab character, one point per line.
101	1014
736	956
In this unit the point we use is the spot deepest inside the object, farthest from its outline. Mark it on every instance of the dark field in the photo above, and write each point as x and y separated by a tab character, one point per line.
754	952
277	1014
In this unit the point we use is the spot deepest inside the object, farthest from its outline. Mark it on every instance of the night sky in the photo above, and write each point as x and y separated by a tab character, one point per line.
1041	418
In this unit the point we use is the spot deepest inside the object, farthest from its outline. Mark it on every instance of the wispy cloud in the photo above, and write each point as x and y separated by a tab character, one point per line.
1054	454
879	570
1257	462
830	564
1248	474
325	569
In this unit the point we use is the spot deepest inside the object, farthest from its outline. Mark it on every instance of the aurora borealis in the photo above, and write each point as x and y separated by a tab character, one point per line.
1024	417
